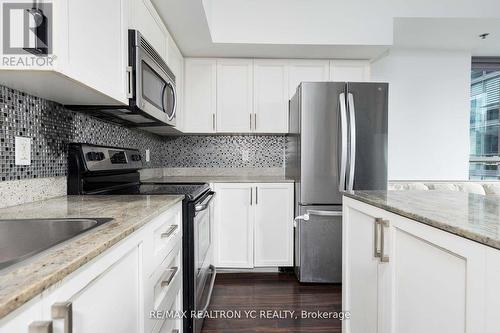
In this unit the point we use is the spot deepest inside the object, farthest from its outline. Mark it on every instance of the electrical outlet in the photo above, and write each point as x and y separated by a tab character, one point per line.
148	155
245	155
22	147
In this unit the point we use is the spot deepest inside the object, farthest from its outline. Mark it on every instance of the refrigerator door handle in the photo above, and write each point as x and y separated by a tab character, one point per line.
306	217
352	142
343	152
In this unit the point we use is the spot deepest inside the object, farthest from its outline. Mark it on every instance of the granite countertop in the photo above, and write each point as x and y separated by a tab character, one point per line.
472	216
25	280
218	179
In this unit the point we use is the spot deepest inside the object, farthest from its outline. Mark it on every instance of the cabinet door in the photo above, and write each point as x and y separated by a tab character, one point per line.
176	64
233	227
97	53
361	270
108	303
143	17
306	71
270	96
273	225
438	280
349	70
234	95
199	96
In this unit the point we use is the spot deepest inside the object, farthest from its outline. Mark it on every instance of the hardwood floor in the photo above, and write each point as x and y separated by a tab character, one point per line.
240	292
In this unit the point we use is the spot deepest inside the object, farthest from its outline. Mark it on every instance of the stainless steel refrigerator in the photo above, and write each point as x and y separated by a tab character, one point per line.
337	142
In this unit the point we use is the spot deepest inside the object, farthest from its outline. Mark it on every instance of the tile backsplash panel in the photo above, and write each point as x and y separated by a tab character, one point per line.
51	127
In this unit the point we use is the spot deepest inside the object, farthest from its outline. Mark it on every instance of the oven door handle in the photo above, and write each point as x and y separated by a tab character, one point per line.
212	282
204	205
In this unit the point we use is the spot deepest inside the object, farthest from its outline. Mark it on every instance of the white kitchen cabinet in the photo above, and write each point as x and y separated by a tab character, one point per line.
253	225
273	227
234	95
200	107
89	58
306	71
108	303
233	227
145	18
270	96
431	280
350	70
176	64
115	291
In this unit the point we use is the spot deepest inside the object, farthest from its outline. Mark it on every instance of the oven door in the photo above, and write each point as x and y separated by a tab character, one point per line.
204	269
155	91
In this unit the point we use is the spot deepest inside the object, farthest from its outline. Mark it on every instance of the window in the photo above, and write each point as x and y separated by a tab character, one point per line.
484	119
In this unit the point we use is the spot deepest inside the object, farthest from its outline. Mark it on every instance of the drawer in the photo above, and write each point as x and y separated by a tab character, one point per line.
165	286
171	325
165	237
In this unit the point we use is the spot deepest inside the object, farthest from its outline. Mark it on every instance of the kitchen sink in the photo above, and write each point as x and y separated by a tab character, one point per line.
23	238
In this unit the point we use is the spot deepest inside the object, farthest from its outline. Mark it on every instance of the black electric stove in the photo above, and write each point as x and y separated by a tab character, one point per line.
101	170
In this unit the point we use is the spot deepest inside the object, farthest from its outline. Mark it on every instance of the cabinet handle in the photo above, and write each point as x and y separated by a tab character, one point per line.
167	281
376	252
40	327
130	84
256	196
250	121
255	121
64	311
169	231
213	121
251	196
383	257
175	330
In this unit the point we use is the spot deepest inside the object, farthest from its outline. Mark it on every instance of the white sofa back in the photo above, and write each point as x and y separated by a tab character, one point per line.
478	187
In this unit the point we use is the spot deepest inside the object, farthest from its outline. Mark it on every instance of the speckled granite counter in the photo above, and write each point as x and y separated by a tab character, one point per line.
472	216
218	179
23	281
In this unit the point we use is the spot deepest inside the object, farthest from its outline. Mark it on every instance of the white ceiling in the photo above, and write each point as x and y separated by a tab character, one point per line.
355	29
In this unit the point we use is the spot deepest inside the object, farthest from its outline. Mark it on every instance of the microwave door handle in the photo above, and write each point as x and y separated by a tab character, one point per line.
352	152
174	97
343	153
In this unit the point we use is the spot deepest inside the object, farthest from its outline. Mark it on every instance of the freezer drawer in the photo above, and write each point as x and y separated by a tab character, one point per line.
318	244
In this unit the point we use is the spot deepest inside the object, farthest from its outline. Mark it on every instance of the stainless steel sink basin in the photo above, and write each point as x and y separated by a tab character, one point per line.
20	239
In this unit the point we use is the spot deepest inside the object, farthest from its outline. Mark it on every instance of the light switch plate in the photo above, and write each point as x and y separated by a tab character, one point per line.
148	155
22	147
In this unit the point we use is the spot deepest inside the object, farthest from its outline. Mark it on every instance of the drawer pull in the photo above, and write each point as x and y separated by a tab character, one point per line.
40	327
175	330
171	275
169	231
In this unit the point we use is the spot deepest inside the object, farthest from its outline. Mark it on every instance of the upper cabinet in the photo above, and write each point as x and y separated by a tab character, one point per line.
199	111
251	96
307	71
235	95
87	63
270	87
143	17
350	70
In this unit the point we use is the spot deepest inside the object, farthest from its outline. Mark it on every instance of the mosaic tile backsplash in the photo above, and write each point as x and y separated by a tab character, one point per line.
51	127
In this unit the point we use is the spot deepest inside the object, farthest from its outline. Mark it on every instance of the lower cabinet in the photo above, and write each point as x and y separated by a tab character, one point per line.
400	275
118	291
253	225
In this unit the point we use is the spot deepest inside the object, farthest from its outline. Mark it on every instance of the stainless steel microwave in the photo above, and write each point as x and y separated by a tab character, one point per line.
151	91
